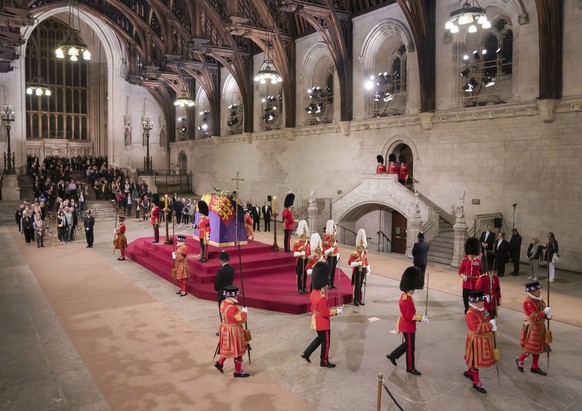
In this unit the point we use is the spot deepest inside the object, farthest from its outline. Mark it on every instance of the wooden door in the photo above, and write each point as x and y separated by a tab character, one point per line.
399	225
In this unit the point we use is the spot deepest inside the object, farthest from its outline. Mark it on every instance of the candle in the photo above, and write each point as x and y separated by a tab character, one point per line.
166	200
274	204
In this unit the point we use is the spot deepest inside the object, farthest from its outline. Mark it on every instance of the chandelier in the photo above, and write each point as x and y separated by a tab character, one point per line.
38	87
184	101
267	73
71	46
468	14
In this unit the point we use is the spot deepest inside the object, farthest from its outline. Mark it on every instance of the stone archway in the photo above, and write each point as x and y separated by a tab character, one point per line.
183	163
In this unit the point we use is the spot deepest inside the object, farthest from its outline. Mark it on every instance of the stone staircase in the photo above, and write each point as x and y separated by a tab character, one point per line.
441	246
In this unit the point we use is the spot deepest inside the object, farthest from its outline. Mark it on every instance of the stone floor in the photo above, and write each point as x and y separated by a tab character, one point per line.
40	369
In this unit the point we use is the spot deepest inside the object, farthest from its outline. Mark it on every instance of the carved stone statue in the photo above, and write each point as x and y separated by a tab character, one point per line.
458	208
312	197
416	203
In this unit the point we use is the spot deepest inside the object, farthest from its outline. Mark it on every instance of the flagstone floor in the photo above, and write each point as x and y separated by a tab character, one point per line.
98	334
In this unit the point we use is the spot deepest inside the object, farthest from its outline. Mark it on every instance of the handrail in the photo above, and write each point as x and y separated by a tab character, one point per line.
386	237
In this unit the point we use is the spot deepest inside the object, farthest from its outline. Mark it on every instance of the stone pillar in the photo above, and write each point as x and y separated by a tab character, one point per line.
412	231
312	215
10	188
460	229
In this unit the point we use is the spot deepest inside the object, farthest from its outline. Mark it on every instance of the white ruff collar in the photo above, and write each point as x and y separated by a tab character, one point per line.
534	297
477	308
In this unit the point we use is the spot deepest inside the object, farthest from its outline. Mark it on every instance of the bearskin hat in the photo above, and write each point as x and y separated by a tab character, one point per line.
302	228
392	158
320	276
361	239
315	242
203	207
330	227
380	159
410	279
289	200
156	199
402	158
472	246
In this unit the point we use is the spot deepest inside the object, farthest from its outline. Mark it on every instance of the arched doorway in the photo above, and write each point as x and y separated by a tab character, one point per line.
403	149
183	163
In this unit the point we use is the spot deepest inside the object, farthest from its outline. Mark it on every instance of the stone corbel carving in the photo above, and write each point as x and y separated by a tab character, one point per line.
576	106
426	120
547	108
346	127
249	137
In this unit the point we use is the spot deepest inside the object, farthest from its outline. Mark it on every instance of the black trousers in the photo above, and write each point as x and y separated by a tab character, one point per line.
357	282
89	236
515	259
267	224
332	263
407	347
466	292
287	240
203	250
156	232
323	339
422	271
301	274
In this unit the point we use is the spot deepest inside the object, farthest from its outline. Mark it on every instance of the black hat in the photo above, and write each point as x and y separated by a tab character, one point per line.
392	157
420	235
410	279
89	211
289	200
121	219
535	285
203	207
476	295
380	159
472	246
402	158
320	275
156	198
181	238
230	291
223	256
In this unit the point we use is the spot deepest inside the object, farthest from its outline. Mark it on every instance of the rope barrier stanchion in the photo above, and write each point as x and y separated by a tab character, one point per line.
393	399
380	383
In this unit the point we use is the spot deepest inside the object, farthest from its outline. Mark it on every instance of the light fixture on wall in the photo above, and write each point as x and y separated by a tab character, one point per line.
470	13
184	100
8	118
267	72
71	47
234	117
147	124
204	127
38	87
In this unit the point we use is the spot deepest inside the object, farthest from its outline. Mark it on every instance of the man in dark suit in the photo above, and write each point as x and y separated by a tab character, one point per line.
256	214
487	239
267	211
515	250
420	254
224	277
501	251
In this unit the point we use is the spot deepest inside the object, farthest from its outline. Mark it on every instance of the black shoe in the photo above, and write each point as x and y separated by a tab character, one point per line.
500	275
178	292
327	365
333	286
538	371
219	367
356	304
305	357
242	374
217	333
153	241
414	372
203	260
392	360
299	292
514	274
182	294
479	387
362	303
519	364
469	376
88	246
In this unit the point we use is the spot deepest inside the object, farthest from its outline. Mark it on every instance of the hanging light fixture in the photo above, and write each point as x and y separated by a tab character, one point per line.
184	100
267	72
38	87
470	13
71	47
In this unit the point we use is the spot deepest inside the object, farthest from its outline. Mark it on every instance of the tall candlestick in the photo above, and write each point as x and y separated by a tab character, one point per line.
166	200
275	204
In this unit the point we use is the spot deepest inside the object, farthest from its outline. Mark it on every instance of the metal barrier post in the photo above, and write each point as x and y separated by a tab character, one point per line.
380	382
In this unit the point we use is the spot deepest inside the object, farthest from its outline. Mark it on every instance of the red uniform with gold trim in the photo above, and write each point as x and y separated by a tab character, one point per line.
407	320
155	215
249	226
204	227
288	220
479	343
533	333
358	274
490	287
233	342
120	242
380	169
472	269
328	241
393	168
181	263
314	259
320	312
403	173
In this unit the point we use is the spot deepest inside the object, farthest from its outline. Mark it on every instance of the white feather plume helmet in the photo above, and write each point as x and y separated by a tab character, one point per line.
302	228
361	239
330	227
315	242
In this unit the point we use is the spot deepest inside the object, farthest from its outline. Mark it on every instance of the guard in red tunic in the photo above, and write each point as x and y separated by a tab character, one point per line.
470	269
316	255
393	167
489	284
403	173
120	241
233	343
408	318
533	333
479	344
301	250
181	270
380	168
155	221
288	221
320	315
360	269
330	250
203	230
249	225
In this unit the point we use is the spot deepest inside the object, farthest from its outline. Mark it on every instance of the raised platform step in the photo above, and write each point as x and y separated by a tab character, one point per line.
269	277
440	260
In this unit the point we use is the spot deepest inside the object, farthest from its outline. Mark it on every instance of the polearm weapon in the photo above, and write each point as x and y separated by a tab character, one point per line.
237	239
174	273
115	227
548	349
427	288
495	350
365	276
